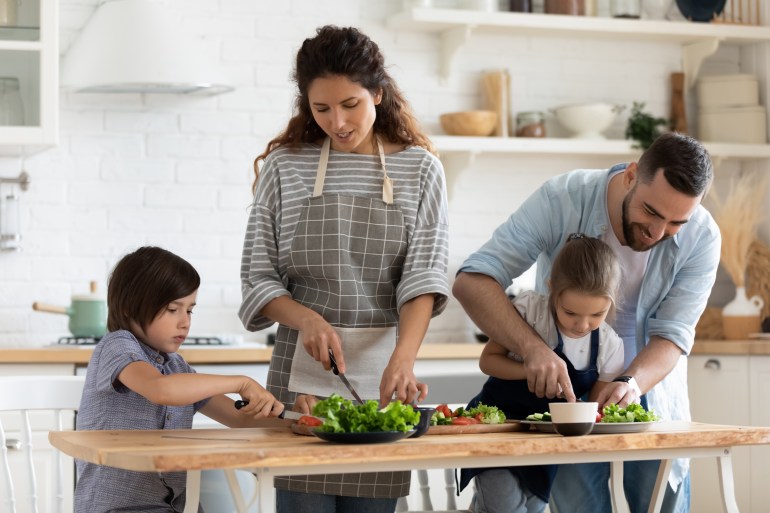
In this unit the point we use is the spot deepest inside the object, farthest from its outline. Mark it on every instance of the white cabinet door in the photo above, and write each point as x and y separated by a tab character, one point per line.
29	56
760	416
719	394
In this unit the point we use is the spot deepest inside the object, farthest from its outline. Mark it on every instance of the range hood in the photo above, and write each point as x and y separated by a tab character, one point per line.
138	46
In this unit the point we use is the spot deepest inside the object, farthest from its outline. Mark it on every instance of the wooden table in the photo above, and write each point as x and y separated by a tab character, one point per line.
276	451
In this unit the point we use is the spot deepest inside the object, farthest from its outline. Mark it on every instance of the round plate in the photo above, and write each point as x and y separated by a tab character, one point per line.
700	10
600	428
374	437
608	428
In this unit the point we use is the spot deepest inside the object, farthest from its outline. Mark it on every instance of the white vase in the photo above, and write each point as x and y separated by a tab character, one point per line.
742	315
656	9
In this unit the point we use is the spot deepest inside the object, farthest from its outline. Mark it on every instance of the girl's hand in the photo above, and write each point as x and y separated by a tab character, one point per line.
318	336
261	402
399	382
304	404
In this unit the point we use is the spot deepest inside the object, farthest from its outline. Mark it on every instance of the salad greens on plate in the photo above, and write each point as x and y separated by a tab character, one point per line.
480	414
612	413
343	416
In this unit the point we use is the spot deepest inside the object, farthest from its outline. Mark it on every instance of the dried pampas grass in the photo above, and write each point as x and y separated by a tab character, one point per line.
758	274
738	217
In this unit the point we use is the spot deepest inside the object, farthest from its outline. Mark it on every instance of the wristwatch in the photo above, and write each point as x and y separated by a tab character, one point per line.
631	382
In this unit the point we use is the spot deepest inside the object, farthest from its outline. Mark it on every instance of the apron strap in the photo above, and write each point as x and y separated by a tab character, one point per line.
320	174
387	183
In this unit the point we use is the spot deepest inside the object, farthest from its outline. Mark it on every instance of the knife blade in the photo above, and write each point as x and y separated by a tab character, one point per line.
285	414
342	377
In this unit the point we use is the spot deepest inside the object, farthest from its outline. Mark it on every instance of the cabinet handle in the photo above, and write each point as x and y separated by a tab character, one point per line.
712	364
13	444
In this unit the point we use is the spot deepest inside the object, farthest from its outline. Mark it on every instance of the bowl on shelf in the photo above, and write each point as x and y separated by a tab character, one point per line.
587	120
469	122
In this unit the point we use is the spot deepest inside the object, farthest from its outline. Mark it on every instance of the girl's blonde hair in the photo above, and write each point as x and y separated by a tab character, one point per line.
346	52
586	265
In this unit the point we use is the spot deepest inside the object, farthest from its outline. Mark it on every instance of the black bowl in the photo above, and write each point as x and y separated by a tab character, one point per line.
423	425
573	428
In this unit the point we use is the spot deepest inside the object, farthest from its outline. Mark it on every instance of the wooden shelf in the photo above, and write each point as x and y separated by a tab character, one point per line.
698	40
459	153
446	144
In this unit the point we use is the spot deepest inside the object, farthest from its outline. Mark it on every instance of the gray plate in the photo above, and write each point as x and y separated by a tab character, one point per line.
601	428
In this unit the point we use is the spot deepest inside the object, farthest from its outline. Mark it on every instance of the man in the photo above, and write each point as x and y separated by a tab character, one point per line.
668	245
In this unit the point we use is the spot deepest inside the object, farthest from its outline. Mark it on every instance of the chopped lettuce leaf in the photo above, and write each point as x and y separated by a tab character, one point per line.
342	416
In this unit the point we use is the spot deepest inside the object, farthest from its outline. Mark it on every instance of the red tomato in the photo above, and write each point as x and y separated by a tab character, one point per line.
479	416
443	408
463	421
598	416
307	420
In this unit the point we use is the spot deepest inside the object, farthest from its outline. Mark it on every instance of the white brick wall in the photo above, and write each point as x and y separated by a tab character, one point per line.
176	170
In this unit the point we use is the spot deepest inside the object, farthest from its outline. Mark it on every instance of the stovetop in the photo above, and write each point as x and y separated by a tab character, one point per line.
190	341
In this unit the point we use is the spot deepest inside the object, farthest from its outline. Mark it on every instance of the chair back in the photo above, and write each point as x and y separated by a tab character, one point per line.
22	394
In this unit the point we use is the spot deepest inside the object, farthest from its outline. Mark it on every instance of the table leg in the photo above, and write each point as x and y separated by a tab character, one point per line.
726	482
193	491
266	490
661	483
617	493
235	490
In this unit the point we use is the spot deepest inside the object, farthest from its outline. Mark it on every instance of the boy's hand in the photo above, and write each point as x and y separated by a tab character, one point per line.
261	402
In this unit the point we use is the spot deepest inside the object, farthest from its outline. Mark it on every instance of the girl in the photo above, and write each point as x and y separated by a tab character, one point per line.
583	293
346	243
136	380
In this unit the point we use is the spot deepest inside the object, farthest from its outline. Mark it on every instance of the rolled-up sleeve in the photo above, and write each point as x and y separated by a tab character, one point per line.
260	279
426	265
685	301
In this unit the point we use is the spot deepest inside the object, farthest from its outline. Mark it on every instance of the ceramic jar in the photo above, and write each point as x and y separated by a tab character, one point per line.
742	315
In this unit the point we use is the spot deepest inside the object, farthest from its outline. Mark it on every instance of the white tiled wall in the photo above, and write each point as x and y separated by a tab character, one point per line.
176	170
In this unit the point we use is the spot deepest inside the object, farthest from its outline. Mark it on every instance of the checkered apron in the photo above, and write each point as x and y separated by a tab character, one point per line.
346	260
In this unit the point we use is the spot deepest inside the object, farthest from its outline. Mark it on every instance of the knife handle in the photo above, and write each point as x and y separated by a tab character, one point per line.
333	363
240	404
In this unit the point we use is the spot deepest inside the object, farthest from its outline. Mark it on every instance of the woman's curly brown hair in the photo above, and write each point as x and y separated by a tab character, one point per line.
347	52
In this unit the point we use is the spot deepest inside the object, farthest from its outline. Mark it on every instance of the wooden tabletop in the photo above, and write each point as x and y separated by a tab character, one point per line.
198	449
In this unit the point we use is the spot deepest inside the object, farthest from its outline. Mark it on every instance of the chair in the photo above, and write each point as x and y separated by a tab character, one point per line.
22	394
427	504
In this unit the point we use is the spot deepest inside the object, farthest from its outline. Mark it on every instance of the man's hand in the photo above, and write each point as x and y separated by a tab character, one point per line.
620	393
547	374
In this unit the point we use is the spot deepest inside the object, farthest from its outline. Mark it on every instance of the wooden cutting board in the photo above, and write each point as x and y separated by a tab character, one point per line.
508	426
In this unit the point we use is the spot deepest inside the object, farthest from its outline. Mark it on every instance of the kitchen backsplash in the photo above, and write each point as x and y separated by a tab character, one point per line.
176	171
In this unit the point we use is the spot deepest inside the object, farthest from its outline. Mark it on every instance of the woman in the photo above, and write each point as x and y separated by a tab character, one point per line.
346	248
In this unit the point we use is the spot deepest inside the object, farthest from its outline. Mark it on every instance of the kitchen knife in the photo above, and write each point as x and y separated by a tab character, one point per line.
285	414
345	381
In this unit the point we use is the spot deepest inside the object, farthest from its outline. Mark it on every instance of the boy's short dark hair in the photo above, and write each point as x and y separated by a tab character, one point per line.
143	283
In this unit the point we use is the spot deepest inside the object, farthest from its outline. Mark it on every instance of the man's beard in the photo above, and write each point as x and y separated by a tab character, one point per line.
628	228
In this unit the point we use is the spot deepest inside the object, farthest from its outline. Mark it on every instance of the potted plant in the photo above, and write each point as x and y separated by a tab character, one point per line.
643	127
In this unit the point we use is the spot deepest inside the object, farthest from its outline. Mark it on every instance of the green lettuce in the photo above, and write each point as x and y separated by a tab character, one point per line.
342	416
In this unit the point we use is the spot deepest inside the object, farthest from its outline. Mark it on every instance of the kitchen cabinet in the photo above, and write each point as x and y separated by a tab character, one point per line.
43	454
29	53
698	41
730	389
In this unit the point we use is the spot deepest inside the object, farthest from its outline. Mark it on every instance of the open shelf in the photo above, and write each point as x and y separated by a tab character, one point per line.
698	40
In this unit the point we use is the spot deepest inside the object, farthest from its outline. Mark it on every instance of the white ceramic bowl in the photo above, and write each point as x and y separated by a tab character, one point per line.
586	120
572	419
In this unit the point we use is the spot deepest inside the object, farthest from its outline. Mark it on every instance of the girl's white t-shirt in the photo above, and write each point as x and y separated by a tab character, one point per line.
609	362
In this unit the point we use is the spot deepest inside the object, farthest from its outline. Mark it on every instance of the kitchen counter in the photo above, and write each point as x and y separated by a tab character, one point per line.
241	353
245	353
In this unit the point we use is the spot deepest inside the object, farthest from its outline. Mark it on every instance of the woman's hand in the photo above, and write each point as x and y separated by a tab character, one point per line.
318	337
399	382
304	404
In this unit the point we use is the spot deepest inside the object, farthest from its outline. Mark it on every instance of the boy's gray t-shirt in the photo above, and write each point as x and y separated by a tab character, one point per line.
108	405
